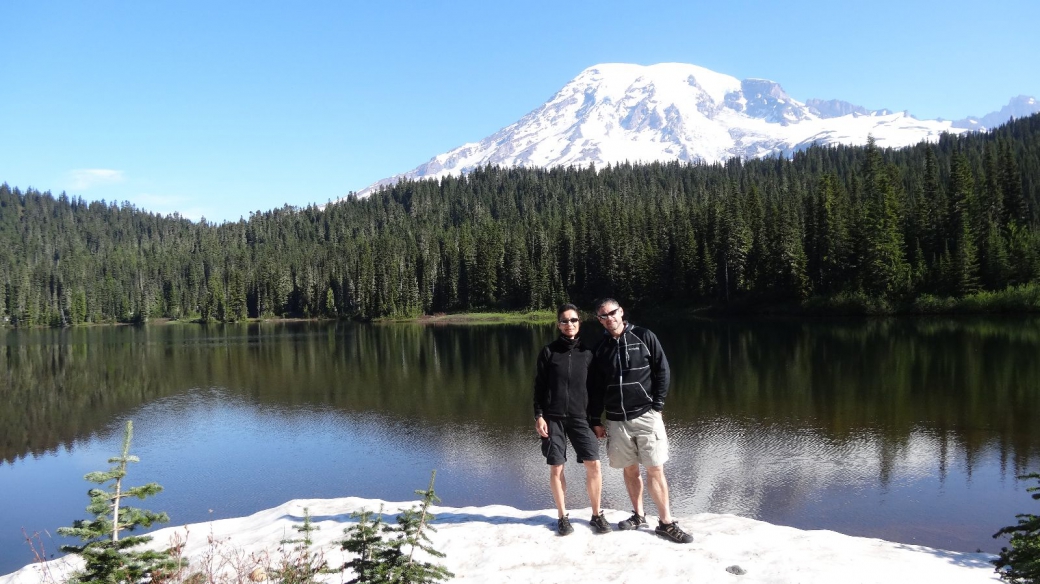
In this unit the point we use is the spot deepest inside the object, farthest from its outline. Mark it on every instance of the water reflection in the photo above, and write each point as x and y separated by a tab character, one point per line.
911	430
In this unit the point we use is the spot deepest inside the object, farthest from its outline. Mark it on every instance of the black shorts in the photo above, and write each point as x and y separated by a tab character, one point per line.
581	436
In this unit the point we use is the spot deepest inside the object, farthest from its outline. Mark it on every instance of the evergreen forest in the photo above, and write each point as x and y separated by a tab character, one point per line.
952	219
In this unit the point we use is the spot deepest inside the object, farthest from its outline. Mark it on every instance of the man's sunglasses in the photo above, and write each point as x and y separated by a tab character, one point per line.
607	315
569	321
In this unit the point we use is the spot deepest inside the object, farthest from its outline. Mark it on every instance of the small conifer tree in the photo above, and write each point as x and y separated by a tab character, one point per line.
307	528
1020	564
393	561
413	528
365	541
300	565
108	558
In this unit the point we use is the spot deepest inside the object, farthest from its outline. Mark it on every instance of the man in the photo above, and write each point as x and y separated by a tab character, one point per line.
560	412
629	379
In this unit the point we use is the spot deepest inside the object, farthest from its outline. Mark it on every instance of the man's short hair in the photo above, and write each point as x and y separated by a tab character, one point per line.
603	302
565	307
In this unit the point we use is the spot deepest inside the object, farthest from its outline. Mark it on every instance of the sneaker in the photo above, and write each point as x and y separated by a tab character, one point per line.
634	522
672	532
599	523
563	527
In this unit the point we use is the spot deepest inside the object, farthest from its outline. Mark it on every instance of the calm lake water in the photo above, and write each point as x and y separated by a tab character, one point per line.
911	430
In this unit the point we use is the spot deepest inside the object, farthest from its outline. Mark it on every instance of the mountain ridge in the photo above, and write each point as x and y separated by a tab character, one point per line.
618	112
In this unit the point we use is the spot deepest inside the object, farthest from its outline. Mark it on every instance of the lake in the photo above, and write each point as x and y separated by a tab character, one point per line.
911	430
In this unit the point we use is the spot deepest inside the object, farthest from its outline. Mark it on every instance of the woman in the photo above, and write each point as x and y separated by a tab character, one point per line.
560	402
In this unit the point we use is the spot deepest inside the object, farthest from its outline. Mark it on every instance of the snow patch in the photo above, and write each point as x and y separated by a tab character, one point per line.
502	544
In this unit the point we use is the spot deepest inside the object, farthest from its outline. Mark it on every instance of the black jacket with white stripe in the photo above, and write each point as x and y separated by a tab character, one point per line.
629	375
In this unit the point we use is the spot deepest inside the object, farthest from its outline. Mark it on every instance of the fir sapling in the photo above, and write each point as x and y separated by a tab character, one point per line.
1020	563
108	557
386	561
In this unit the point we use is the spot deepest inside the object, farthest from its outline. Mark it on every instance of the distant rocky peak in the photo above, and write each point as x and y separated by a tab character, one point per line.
766	100
763	89
1023	101
1018	107
834	108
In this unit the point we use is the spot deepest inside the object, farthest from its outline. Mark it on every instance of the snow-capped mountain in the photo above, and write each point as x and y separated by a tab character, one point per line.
615	112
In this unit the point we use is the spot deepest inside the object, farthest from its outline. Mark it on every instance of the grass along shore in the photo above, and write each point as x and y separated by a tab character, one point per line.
526	317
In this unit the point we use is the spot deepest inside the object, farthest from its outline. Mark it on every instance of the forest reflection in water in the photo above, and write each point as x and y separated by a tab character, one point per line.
906	429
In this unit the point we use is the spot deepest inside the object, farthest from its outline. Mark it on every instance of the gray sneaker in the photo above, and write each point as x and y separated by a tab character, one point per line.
634	522
599	523
563	526
672	532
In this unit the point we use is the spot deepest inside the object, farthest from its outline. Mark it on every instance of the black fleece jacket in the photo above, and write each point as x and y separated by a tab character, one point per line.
560	381
629	375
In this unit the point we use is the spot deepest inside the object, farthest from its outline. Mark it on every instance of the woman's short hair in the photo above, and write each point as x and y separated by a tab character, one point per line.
565	307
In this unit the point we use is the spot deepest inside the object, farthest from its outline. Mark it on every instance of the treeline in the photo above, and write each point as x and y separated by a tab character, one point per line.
949	219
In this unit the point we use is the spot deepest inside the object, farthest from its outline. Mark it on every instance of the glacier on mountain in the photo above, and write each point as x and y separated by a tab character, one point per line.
615	113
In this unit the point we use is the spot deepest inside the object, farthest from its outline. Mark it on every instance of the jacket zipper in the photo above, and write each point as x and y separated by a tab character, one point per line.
621	377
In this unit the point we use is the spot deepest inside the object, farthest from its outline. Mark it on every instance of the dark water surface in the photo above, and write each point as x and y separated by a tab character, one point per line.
911	430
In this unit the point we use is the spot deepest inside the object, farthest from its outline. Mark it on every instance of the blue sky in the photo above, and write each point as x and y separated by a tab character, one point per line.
218	109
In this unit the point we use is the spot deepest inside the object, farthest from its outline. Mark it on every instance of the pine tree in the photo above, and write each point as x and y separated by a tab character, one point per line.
794	262
393	561
833	235
300	565
329	309
735	239
108	558
78	311
1016	206
934	208
1020	563
365	541
886	271
236	301
413	526
965	252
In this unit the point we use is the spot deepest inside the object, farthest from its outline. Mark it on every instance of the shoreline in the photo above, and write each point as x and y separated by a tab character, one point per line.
1015	300
504	544
544	317
441	318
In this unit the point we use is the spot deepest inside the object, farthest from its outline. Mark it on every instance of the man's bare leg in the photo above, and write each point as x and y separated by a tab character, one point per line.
558	484
634	485
658	487
594	484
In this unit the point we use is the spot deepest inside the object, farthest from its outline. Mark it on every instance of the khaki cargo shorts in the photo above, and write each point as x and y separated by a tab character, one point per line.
639	441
